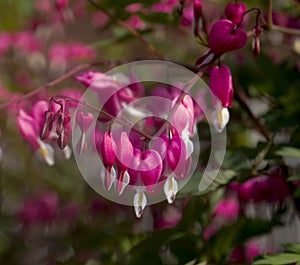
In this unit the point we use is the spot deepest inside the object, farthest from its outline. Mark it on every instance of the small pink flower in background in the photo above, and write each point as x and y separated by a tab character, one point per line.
100	19
227	209
80	52
235	11
135	22
26	42
133	8
187	16
6	41
61	4
168	218
41	209
165	6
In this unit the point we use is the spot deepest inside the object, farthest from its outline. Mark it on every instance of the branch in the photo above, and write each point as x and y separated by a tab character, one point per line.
134	32
55	82
104	113
242	100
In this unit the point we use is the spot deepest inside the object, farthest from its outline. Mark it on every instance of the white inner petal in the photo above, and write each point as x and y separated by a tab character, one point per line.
139	203
171	189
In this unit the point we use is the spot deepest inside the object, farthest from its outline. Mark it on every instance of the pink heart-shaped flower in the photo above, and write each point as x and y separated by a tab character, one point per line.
84	120
223	37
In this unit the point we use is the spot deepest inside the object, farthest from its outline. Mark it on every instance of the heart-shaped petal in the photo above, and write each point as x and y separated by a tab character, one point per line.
223	37
84	120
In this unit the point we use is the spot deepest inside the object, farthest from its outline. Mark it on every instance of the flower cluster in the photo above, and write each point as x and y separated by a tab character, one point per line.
144	163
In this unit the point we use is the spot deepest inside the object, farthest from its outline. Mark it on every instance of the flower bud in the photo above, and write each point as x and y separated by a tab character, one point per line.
235	11
256	41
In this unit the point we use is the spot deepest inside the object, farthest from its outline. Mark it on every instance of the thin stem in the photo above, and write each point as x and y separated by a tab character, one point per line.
55	82
104	113
134	32
242	100
186	88
286	30
269	14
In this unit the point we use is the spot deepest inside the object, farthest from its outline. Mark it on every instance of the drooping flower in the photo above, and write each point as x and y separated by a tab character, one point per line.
30	131
227	209
176	162
221	87
84	120
235	11
108	153
41	209
223	37
124	154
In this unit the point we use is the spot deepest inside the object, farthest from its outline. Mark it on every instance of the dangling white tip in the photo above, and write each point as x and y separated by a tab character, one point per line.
171	189
139	203
67	152
220	118
46	152
121	186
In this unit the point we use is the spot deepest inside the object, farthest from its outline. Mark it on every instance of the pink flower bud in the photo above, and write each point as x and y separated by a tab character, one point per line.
256	41
235	11
224	37
221	85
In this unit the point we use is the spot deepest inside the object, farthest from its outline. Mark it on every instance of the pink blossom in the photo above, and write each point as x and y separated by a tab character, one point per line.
223	37
135	22
221	85
227	209
108	153
124	154
5	42
133	8
100	19
168	218
39	209
26	42
235	11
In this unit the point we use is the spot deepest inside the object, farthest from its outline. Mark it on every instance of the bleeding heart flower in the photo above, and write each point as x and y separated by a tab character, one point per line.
107	150
224	37
221	85
84	120
235	11
124	155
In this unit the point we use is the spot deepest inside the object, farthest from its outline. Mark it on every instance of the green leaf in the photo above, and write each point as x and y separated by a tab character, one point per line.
293	247
289	152
294	177
278	259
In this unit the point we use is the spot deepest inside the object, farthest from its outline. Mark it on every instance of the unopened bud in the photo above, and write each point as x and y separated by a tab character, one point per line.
256	41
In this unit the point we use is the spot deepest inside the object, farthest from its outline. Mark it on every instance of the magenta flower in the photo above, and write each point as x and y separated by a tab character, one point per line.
221	87
30	127
146	169
108	152
227	210
223	37
40	209
84	120
168	218
235	11
5	42
124	155
176	162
